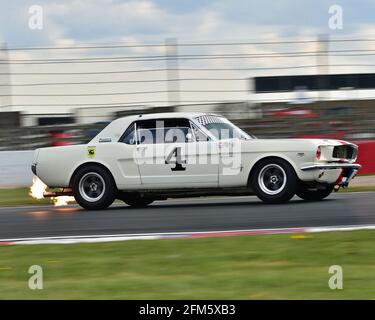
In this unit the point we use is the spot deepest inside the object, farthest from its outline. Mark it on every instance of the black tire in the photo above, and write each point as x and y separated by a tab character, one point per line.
136	200
314	195
274	180
94	188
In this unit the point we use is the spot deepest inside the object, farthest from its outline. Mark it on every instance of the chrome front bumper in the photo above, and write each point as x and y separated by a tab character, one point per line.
349	171
332	166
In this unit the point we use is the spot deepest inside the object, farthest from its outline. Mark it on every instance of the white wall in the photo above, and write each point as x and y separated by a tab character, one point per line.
15	168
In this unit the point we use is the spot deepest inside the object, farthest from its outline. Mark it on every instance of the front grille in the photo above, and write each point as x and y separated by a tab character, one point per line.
344	152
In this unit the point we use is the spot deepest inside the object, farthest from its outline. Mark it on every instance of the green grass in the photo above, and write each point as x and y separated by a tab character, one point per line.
18	197
359	189
246	267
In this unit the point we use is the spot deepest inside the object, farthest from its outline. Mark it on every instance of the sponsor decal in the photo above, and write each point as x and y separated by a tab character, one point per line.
91	152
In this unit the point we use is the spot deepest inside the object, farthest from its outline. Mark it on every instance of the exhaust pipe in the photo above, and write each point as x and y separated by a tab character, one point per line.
64	192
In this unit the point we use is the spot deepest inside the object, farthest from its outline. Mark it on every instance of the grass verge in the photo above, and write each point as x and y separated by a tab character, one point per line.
18	197
359	189
246	267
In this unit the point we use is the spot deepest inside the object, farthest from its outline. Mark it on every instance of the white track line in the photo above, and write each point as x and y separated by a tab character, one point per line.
174	235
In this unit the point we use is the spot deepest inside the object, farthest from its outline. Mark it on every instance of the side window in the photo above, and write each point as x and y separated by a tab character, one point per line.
177	130
167	130
177	135
147	135
147	131
129	136
163	131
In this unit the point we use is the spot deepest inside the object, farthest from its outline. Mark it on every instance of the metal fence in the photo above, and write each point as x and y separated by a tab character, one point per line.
348	120
29	138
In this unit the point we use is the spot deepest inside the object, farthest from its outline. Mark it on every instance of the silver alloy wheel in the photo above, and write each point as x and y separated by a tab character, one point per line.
92	186
272	179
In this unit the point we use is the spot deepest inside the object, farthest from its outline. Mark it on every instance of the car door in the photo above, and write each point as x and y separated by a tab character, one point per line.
124	153
169	155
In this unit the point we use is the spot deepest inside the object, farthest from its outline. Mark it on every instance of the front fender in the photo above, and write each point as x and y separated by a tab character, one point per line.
295	159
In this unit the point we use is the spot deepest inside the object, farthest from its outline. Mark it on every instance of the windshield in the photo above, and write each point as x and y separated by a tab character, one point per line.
222	128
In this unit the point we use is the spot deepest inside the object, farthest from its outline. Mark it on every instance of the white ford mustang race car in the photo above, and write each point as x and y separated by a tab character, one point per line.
142	158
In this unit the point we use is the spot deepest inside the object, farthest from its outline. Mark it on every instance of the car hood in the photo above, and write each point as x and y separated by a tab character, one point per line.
291	144
315	142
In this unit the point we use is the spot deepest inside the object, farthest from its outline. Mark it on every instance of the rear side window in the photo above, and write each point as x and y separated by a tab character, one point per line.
129	136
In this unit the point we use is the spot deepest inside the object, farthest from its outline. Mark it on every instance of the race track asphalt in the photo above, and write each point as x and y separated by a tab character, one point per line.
202	214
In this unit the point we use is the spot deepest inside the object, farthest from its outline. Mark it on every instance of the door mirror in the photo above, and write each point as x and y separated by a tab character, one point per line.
189	137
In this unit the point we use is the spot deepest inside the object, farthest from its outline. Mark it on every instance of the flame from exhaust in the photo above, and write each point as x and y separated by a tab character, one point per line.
62	200
38	188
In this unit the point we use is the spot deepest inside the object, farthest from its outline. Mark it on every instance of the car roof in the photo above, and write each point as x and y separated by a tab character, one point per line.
148	116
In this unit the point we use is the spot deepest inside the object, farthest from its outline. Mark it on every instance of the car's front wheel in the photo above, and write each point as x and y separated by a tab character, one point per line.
314	195
274	180
94	188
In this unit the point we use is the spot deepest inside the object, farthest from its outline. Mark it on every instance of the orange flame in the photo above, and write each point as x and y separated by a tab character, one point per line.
38	188
62	200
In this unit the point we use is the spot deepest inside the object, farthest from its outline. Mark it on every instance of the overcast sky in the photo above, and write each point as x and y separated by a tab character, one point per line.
77	22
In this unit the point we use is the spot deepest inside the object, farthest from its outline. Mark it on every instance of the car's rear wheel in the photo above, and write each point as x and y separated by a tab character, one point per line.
314	195
274	180
136	200
94	188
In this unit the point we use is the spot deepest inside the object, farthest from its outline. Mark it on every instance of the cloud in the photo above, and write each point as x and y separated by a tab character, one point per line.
105	20
147	20
73	22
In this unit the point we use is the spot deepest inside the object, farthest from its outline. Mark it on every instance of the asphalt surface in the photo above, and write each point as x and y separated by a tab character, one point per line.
208	214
